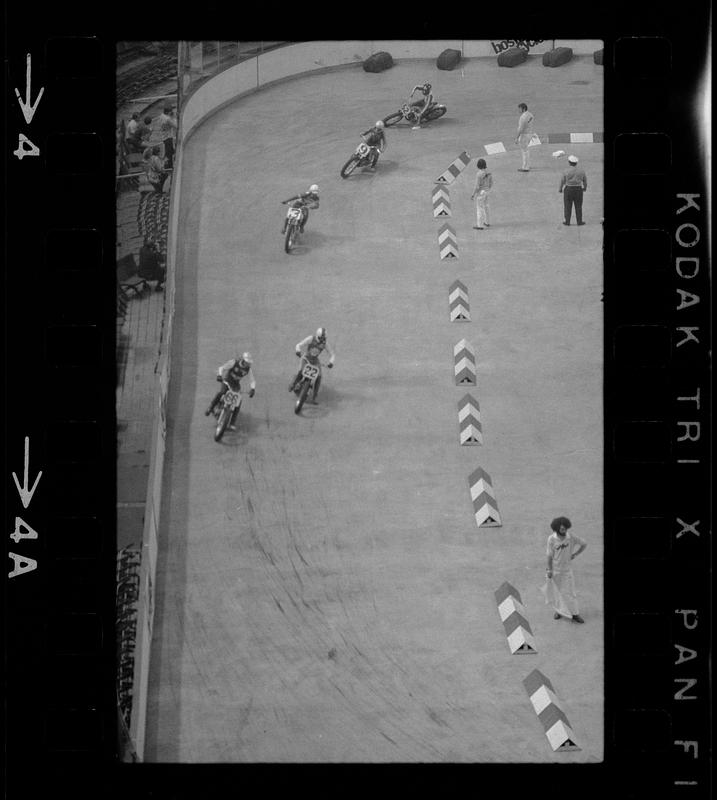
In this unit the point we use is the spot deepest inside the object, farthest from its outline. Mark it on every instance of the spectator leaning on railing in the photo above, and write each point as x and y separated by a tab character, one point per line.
167	130
154	168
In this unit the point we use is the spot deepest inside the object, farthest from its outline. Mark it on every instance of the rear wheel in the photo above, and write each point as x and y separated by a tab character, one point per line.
436	112
222	423
302	396
290	237
349	166
392	119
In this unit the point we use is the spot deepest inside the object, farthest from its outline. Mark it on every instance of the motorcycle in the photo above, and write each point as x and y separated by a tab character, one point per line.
308	381
230	401
293	222
410	114
362	157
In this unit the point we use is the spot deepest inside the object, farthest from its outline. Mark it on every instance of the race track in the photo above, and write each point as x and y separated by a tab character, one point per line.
323	592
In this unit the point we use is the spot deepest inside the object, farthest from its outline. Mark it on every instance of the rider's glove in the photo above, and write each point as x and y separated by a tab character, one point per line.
298	355
220	379
251	392
330	366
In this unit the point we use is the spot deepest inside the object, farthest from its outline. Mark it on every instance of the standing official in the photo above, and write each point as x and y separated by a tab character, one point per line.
572	184
524	135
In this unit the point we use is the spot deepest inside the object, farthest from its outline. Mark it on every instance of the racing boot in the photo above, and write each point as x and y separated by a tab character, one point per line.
233	420
315	393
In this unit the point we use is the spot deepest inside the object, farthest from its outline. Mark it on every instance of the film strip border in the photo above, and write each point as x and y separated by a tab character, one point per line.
660	419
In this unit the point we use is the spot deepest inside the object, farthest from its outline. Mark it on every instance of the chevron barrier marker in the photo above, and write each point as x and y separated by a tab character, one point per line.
512	614
459	307
455	169
464	363
546	706
471	431
447	242
485	507
441	202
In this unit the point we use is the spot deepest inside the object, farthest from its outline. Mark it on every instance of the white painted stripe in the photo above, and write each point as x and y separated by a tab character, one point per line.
581	138
495	147
468	410
542	698
509	606
471	433
443	235
464	344
518	638
487	511
458	293
464	363
479	488
559	734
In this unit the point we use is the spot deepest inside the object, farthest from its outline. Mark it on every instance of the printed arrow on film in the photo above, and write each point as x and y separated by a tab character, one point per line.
28	108
25	493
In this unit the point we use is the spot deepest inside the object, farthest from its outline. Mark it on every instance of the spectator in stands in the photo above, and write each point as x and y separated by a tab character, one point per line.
138	141
167	130
150	263
131	129
155	168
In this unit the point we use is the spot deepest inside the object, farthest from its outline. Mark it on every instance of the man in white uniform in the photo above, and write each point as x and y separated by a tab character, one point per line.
563	547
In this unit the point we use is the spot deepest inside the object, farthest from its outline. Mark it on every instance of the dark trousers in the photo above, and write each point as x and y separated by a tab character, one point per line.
573	195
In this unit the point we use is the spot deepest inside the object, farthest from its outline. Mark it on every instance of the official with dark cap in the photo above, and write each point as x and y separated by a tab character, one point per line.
572	184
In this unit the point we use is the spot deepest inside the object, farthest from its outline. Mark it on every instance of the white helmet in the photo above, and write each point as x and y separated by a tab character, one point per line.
246	359
314	188
380	123
321	334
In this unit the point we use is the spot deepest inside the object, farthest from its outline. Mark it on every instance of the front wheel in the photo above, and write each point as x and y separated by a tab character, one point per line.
392	119
290	237
222	423
349	166
436	112
302	396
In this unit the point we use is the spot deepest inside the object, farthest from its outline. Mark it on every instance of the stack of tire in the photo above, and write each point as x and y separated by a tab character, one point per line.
378	62
448	59
557	57
512	57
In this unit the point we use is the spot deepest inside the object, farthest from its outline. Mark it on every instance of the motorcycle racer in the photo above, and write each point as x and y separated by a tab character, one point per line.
422	103
375	137
232	372
312	346
304	201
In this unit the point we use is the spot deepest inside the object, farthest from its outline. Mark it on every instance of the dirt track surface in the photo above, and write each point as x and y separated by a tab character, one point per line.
323	591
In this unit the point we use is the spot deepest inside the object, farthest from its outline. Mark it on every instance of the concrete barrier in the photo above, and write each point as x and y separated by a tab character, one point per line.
557	57
378	62
512	57
448	59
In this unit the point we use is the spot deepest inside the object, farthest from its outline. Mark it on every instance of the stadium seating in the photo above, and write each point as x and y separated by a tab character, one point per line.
378	62
557	57
512	57
448	59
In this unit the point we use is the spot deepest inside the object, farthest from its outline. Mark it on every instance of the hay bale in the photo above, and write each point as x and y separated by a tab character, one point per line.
512	57
378	62
597	56
557	57
448	59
